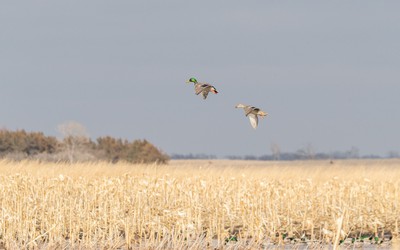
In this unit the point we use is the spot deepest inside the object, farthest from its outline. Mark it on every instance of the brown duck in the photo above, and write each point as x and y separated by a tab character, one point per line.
252	113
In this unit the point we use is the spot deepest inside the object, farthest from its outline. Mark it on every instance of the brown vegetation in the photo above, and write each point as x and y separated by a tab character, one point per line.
198	204
18	145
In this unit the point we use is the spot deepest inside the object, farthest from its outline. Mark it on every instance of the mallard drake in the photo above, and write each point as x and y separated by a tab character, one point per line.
202	88
252	113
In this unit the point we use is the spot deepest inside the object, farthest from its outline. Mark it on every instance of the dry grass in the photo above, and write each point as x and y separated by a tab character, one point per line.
196	204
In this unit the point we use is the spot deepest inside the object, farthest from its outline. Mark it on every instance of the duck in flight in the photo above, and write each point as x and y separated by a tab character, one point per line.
252	113
202	88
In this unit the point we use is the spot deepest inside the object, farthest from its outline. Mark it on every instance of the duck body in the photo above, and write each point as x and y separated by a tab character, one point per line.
252	113
202	88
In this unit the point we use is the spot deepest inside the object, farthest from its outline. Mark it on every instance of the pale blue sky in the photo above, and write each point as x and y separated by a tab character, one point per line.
326	72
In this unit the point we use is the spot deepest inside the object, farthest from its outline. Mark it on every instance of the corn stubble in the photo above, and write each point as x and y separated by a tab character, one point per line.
197	204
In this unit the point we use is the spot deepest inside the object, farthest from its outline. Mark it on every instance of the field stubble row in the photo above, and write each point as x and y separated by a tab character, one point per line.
198	204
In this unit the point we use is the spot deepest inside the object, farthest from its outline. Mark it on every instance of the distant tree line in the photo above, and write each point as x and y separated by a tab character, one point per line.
74	147
298	155
193	156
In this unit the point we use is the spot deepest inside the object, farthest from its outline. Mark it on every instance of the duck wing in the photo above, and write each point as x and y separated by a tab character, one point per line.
248	110
202	88
253	120
205	93
199	87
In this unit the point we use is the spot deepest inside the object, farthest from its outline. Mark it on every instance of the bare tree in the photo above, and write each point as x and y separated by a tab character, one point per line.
276	151
393	154
353	153
75	137
307	152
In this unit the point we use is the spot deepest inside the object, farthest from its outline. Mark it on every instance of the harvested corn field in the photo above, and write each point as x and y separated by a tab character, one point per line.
199	204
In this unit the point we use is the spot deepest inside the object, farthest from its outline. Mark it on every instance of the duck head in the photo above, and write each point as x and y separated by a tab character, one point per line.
193	80
240	105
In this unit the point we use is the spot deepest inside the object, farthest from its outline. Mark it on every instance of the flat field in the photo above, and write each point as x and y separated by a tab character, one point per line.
216	204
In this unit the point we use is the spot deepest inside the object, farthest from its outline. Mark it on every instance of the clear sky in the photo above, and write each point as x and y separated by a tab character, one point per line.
328	73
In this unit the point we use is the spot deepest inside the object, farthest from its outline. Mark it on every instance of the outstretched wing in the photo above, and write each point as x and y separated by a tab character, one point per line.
248	110
253	120
198	88
205	93
204	89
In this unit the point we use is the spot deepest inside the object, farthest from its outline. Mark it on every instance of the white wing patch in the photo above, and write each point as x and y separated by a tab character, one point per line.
253	120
